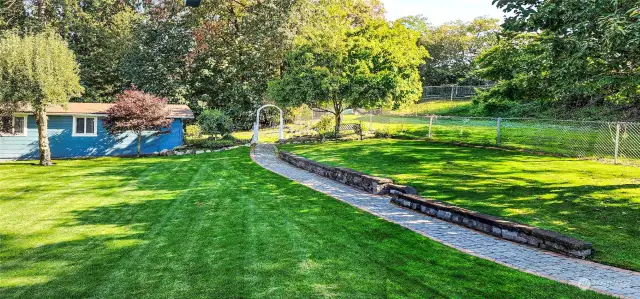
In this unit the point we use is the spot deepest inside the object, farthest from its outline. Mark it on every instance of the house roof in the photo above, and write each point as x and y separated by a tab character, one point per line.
175	111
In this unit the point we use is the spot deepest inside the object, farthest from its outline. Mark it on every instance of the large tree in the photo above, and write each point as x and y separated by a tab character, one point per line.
241	45
98	32
591	48
157	60
37	71
453	46
345	62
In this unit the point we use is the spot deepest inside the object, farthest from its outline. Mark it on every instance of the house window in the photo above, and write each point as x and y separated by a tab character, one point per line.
85	126
13	126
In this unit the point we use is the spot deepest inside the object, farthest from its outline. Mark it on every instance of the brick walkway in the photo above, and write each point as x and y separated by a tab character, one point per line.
584	274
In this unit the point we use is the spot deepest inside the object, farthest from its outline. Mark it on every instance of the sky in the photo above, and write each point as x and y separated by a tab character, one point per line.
441	11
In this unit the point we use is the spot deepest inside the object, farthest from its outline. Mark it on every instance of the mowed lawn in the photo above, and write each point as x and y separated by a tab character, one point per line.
217	226
588	200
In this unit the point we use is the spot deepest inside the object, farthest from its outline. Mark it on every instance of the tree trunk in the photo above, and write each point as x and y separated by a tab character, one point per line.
337	112
338	117
139	143
43	137
42	6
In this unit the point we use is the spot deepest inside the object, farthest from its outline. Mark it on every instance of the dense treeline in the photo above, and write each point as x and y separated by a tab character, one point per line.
221	55
453	47
569	59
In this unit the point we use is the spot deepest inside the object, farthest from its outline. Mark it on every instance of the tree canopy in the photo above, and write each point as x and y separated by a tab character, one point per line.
357	61
240	46
138	111
578	52
37	71
157	62
453	46
223	54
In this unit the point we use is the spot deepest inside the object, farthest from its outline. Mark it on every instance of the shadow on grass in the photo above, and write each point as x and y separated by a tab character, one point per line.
588	200
217	225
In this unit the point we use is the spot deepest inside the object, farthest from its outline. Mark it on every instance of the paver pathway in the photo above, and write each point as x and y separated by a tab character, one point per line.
584	274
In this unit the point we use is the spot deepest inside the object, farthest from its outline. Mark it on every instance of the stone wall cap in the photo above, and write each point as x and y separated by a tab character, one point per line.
378	180
543	234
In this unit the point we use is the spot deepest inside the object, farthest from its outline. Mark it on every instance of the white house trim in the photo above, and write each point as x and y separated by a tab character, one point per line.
13	123
75	125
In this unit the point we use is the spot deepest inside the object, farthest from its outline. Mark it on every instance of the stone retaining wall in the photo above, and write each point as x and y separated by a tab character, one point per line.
406	196
350	177
496	226
184	151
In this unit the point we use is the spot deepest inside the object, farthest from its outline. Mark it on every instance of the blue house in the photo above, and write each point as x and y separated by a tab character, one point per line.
78	132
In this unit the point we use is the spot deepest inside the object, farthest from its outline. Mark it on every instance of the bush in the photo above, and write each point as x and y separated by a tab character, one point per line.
212	143
217	144
193	131
385	133
497	107
326	124
215	122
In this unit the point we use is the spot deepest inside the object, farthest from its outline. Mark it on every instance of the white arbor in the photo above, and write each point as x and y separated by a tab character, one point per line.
256	126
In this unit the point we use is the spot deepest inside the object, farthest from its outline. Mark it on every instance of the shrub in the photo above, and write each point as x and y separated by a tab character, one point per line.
326	124
212	143
215	122
217	144
193	131
386	133
497	107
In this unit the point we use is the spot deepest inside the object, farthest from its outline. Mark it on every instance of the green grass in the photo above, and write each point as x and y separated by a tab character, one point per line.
452	130
587	140
439	107
266	135
272	134
588	200
217	226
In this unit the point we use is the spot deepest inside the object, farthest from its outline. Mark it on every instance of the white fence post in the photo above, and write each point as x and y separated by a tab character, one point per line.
498	133
617	145
430	124
452	93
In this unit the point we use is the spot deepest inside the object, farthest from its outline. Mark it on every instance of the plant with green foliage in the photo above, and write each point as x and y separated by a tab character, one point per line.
343	62
453	47
218	225
325	124
517	65
11	14
240	46
215	122
97	31
38	71
157	62
581	53
193	131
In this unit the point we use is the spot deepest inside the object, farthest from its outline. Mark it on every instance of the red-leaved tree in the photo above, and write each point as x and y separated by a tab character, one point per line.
137	111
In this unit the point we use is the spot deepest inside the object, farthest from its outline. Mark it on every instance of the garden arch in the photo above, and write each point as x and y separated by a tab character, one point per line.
256	126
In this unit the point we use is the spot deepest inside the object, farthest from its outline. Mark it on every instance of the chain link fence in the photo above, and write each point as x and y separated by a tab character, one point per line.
615	142
452	92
